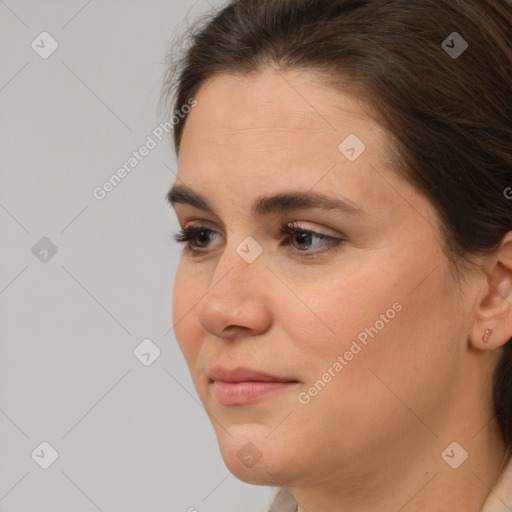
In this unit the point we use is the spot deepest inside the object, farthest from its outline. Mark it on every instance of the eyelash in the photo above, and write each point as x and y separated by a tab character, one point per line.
186	235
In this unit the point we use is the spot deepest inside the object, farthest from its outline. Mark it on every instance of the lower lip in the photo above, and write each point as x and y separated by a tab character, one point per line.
240	393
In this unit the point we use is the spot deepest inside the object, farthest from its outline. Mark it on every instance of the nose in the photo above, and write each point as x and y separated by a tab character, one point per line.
237	302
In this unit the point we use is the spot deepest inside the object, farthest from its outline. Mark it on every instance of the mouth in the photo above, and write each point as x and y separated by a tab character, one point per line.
242	386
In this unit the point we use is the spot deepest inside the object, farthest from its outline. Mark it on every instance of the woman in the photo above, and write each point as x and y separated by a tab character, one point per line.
344	298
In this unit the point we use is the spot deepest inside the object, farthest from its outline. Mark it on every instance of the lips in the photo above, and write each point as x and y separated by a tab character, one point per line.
243	386
242	374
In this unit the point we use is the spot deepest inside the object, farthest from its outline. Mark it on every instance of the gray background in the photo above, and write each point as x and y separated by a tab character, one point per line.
129	437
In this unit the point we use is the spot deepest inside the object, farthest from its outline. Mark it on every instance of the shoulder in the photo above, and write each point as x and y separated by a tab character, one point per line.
283	502
500	497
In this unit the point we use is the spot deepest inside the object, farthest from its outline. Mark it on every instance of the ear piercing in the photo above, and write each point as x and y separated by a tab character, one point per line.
485	337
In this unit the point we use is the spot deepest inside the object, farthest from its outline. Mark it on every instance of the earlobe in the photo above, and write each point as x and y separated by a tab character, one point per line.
493	310
485	337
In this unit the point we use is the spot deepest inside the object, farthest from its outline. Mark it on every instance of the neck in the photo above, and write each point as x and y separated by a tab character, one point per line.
427	483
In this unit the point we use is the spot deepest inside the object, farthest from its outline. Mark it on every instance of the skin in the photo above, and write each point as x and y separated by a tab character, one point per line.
372	438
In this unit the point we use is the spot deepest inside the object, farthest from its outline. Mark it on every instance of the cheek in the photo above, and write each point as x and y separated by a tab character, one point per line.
326	314
394	346
187	292
322	321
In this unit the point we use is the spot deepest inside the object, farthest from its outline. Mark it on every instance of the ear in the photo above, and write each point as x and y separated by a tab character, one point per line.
494	301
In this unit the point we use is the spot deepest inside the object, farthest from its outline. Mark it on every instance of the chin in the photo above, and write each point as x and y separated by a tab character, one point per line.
254	458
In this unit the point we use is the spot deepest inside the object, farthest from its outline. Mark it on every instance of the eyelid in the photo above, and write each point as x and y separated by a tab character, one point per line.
318	231
330	243
295	224
305	225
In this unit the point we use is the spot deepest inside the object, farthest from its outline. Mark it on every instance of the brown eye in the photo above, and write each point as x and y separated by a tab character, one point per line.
303	236
299	240
193	234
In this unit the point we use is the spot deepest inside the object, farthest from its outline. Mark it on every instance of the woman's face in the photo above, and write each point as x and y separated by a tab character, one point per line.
367	326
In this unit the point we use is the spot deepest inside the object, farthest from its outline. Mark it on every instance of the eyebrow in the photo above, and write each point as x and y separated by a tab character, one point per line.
266	205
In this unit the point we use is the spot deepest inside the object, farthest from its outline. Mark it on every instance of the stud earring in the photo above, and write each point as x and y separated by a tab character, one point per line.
485	337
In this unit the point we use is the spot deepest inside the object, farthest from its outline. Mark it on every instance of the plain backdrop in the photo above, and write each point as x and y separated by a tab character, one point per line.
84	281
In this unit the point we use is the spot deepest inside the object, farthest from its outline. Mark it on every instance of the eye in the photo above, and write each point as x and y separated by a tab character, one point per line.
301	235
194	233
295	234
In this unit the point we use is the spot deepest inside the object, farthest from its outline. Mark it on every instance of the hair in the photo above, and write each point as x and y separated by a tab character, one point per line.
448	116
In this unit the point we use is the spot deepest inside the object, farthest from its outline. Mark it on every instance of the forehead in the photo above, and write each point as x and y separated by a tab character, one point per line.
271	101
260	133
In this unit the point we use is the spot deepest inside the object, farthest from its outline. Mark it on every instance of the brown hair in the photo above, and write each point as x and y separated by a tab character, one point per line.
448	114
